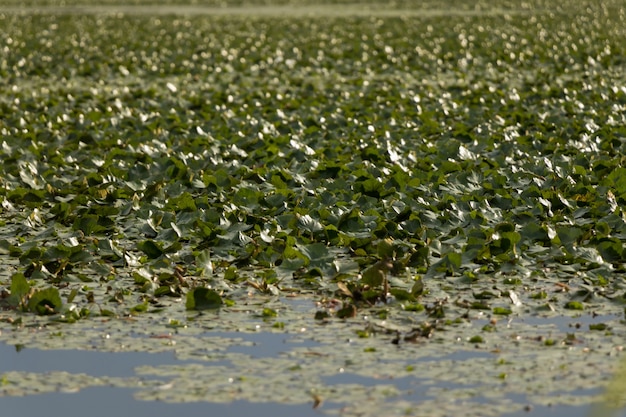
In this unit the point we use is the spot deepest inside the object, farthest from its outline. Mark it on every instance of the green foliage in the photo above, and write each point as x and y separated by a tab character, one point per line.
46	301
375	275
203	299
19	289
574	305
40	301
203	261
417	174
150	248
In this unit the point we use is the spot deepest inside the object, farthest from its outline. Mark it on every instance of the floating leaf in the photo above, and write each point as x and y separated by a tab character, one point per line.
46	301
347	311
418	287
307	223
89	224
502	311
385	249
611	249
203	261
19	289
150	248
203	299
574	305
375	275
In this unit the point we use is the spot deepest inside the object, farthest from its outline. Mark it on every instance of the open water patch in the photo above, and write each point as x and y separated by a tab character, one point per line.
264	345
94	363
570	324
108	401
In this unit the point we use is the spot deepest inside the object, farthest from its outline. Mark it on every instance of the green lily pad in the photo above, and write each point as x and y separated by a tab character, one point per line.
203	299
46	301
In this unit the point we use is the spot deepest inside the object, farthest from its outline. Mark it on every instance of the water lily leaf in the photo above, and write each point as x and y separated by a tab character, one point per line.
569	236
243	239
46	301
450	262
6	248
374	275
534	232
347	311
351	221
203	261
31	198
79	255
30	176
139	308
32	254
72	295
173	247
89	224
150	248
19	289
57	252
317	254
418	287
611	249
309	224
402	295
420	256
370	187
203	299
385	248
617	179
574	305
502	311
184	202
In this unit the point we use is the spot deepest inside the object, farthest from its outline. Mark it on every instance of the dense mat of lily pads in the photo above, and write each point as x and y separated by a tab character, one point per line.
429	172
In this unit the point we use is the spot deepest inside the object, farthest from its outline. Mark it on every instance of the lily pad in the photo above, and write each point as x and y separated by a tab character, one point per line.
203	299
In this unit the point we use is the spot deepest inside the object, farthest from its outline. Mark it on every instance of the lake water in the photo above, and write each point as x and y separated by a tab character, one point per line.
112	401
106	401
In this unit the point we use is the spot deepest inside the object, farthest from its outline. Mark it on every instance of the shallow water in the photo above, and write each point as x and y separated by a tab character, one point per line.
107	400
